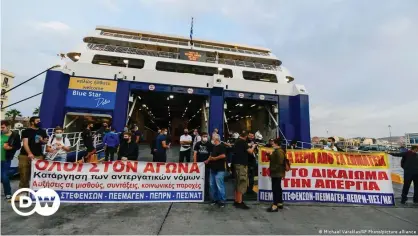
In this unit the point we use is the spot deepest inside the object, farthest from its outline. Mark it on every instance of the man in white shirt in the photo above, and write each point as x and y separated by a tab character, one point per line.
185	146
196	138
331	145
58	146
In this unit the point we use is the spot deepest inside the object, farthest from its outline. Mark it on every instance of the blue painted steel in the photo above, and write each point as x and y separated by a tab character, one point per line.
91	99
52	110
304	119
241	95
122	100
285	118
216	110
150	87
294	118
189	90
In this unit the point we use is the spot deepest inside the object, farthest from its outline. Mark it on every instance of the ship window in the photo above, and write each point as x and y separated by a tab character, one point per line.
118	61
257	76
192	69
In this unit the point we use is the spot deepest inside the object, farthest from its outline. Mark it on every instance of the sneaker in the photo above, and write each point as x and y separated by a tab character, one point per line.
221	205
270	209
8	197
242	206
280	206
213	203
235	204
403	202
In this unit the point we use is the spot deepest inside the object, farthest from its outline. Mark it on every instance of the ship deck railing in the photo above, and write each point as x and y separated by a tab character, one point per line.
182	43
173	55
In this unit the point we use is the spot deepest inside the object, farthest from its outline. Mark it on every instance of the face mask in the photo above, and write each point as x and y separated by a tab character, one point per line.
58	135
38	125
125	138
165	133
329	144
205	139
185	132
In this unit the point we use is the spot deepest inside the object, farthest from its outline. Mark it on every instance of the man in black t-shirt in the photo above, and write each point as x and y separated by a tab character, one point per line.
240	162
201	153
87	137
216	163
33	138
252	164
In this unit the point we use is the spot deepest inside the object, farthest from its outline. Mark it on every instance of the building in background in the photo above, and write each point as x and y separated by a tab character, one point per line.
411	139
6	83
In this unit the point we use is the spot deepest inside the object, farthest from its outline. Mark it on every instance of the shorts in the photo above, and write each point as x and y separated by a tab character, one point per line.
241	178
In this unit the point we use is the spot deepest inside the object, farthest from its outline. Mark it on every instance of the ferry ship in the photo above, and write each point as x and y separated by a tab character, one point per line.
127	77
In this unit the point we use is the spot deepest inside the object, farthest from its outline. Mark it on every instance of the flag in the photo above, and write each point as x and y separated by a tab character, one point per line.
191	33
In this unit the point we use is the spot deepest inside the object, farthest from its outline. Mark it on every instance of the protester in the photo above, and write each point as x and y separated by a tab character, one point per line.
270	143
293	145
185	143
409	163
161	146
201	153
214	133
33	139
229	154
125	129
111	142
331	145
252	164
277	172
240	163
216	163
153	146
58	146
128	149
136	134
103	130
87	136
10	143
195	138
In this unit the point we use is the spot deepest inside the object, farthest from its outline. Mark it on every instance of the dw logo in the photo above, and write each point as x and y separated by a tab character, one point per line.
47	202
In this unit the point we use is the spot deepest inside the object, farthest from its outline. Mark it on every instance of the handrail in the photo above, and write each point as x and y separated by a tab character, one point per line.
152	53
174	42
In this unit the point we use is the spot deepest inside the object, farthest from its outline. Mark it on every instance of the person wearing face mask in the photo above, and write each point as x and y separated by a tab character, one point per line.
153	146
331	145
201	152
111	142
10	143
185	142
409	164
161	146
87	137
58	146
216	162
33	139
125	129
196	138
128	149
277	172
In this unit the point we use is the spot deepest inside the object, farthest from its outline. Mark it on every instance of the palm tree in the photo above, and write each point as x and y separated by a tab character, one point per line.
36	111
13	113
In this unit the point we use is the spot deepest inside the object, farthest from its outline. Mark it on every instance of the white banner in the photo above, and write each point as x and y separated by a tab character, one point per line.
121	181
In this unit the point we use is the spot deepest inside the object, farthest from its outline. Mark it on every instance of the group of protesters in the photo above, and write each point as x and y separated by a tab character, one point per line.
237	155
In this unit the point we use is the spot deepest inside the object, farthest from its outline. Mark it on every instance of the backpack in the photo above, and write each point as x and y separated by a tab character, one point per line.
286	162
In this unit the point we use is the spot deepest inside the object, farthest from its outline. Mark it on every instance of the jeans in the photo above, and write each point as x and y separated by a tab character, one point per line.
61	158
217	186
408	179
110	153
184	155
276	186
5	166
